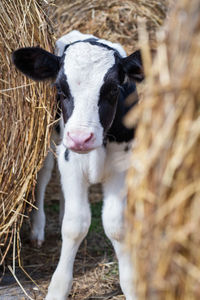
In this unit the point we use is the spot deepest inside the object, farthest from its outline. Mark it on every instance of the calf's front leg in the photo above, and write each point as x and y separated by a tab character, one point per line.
114	226
76	221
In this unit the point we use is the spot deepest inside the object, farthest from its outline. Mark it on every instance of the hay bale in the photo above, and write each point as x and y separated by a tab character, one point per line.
27	107
27	110
114	20
164	179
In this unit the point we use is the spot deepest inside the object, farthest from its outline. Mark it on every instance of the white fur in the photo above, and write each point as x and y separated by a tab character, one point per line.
75	35
83	169
85	66
76	175
38	216
70	38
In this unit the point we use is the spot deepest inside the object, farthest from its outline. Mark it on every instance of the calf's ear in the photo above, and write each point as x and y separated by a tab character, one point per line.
36	63
132	66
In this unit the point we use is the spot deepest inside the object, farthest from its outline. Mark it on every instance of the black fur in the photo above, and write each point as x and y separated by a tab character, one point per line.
64	94
109	94
112	103
118	132
66	155
36	63
132	66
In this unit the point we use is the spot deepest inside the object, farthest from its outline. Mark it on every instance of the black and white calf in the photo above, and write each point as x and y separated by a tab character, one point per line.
93	77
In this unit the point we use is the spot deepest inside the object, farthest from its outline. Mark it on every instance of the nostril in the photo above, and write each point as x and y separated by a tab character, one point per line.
89	137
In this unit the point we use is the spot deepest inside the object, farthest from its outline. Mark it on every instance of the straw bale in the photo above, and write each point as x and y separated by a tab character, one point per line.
164	178
27	110
114	20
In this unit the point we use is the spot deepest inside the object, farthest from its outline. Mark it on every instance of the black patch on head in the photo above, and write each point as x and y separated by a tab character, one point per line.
109	94
66	155
118	132
112	105
64	94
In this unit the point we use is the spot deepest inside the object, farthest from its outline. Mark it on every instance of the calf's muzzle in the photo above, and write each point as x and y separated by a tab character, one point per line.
80	141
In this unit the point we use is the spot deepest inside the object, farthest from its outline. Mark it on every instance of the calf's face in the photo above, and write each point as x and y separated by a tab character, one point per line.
88	79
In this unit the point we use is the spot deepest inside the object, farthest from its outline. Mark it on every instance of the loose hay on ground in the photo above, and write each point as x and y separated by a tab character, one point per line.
164	179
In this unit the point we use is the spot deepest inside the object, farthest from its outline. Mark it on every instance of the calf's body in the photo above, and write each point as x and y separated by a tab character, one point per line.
93	78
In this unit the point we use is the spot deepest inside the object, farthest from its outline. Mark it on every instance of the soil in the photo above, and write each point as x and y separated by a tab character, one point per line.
95	268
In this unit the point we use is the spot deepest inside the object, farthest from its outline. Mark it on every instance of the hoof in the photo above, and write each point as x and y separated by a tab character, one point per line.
36	243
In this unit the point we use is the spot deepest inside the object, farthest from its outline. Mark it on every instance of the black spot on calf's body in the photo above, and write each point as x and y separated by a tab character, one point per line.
66	154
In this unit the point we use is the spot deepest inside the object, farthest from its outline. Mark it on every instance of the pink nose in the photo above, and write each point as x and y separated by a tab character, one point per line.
79	140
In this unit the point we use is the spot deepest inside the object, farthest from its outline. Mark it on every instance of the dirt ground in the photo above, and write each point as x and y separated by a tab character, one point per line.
95	269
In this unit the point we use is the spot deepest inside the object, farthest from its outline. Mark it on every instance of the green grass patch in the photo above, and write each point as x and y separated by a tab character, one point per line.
96	223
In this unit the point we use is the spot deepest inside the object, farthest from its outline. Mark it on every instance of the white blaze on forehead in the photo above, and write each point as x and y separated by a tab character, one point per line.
85	66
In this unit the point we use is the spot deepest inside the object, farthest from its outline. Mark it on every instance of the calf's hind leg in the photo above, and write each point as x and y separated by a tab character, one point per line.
38	216
114	226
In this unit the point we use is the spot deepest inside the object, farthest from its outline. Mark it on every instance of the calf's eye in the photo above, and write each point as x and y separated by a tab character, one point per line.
62	94
113	95
114	91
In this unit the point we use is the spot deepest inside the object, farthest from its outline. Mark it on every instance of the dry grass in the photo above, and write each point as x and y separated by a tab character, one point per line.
164	179
25	115
27	110
27	107
114	20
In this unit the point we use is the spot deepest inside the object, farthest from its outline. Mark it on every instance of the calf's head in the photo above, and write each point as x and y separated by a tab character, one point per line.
88	79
